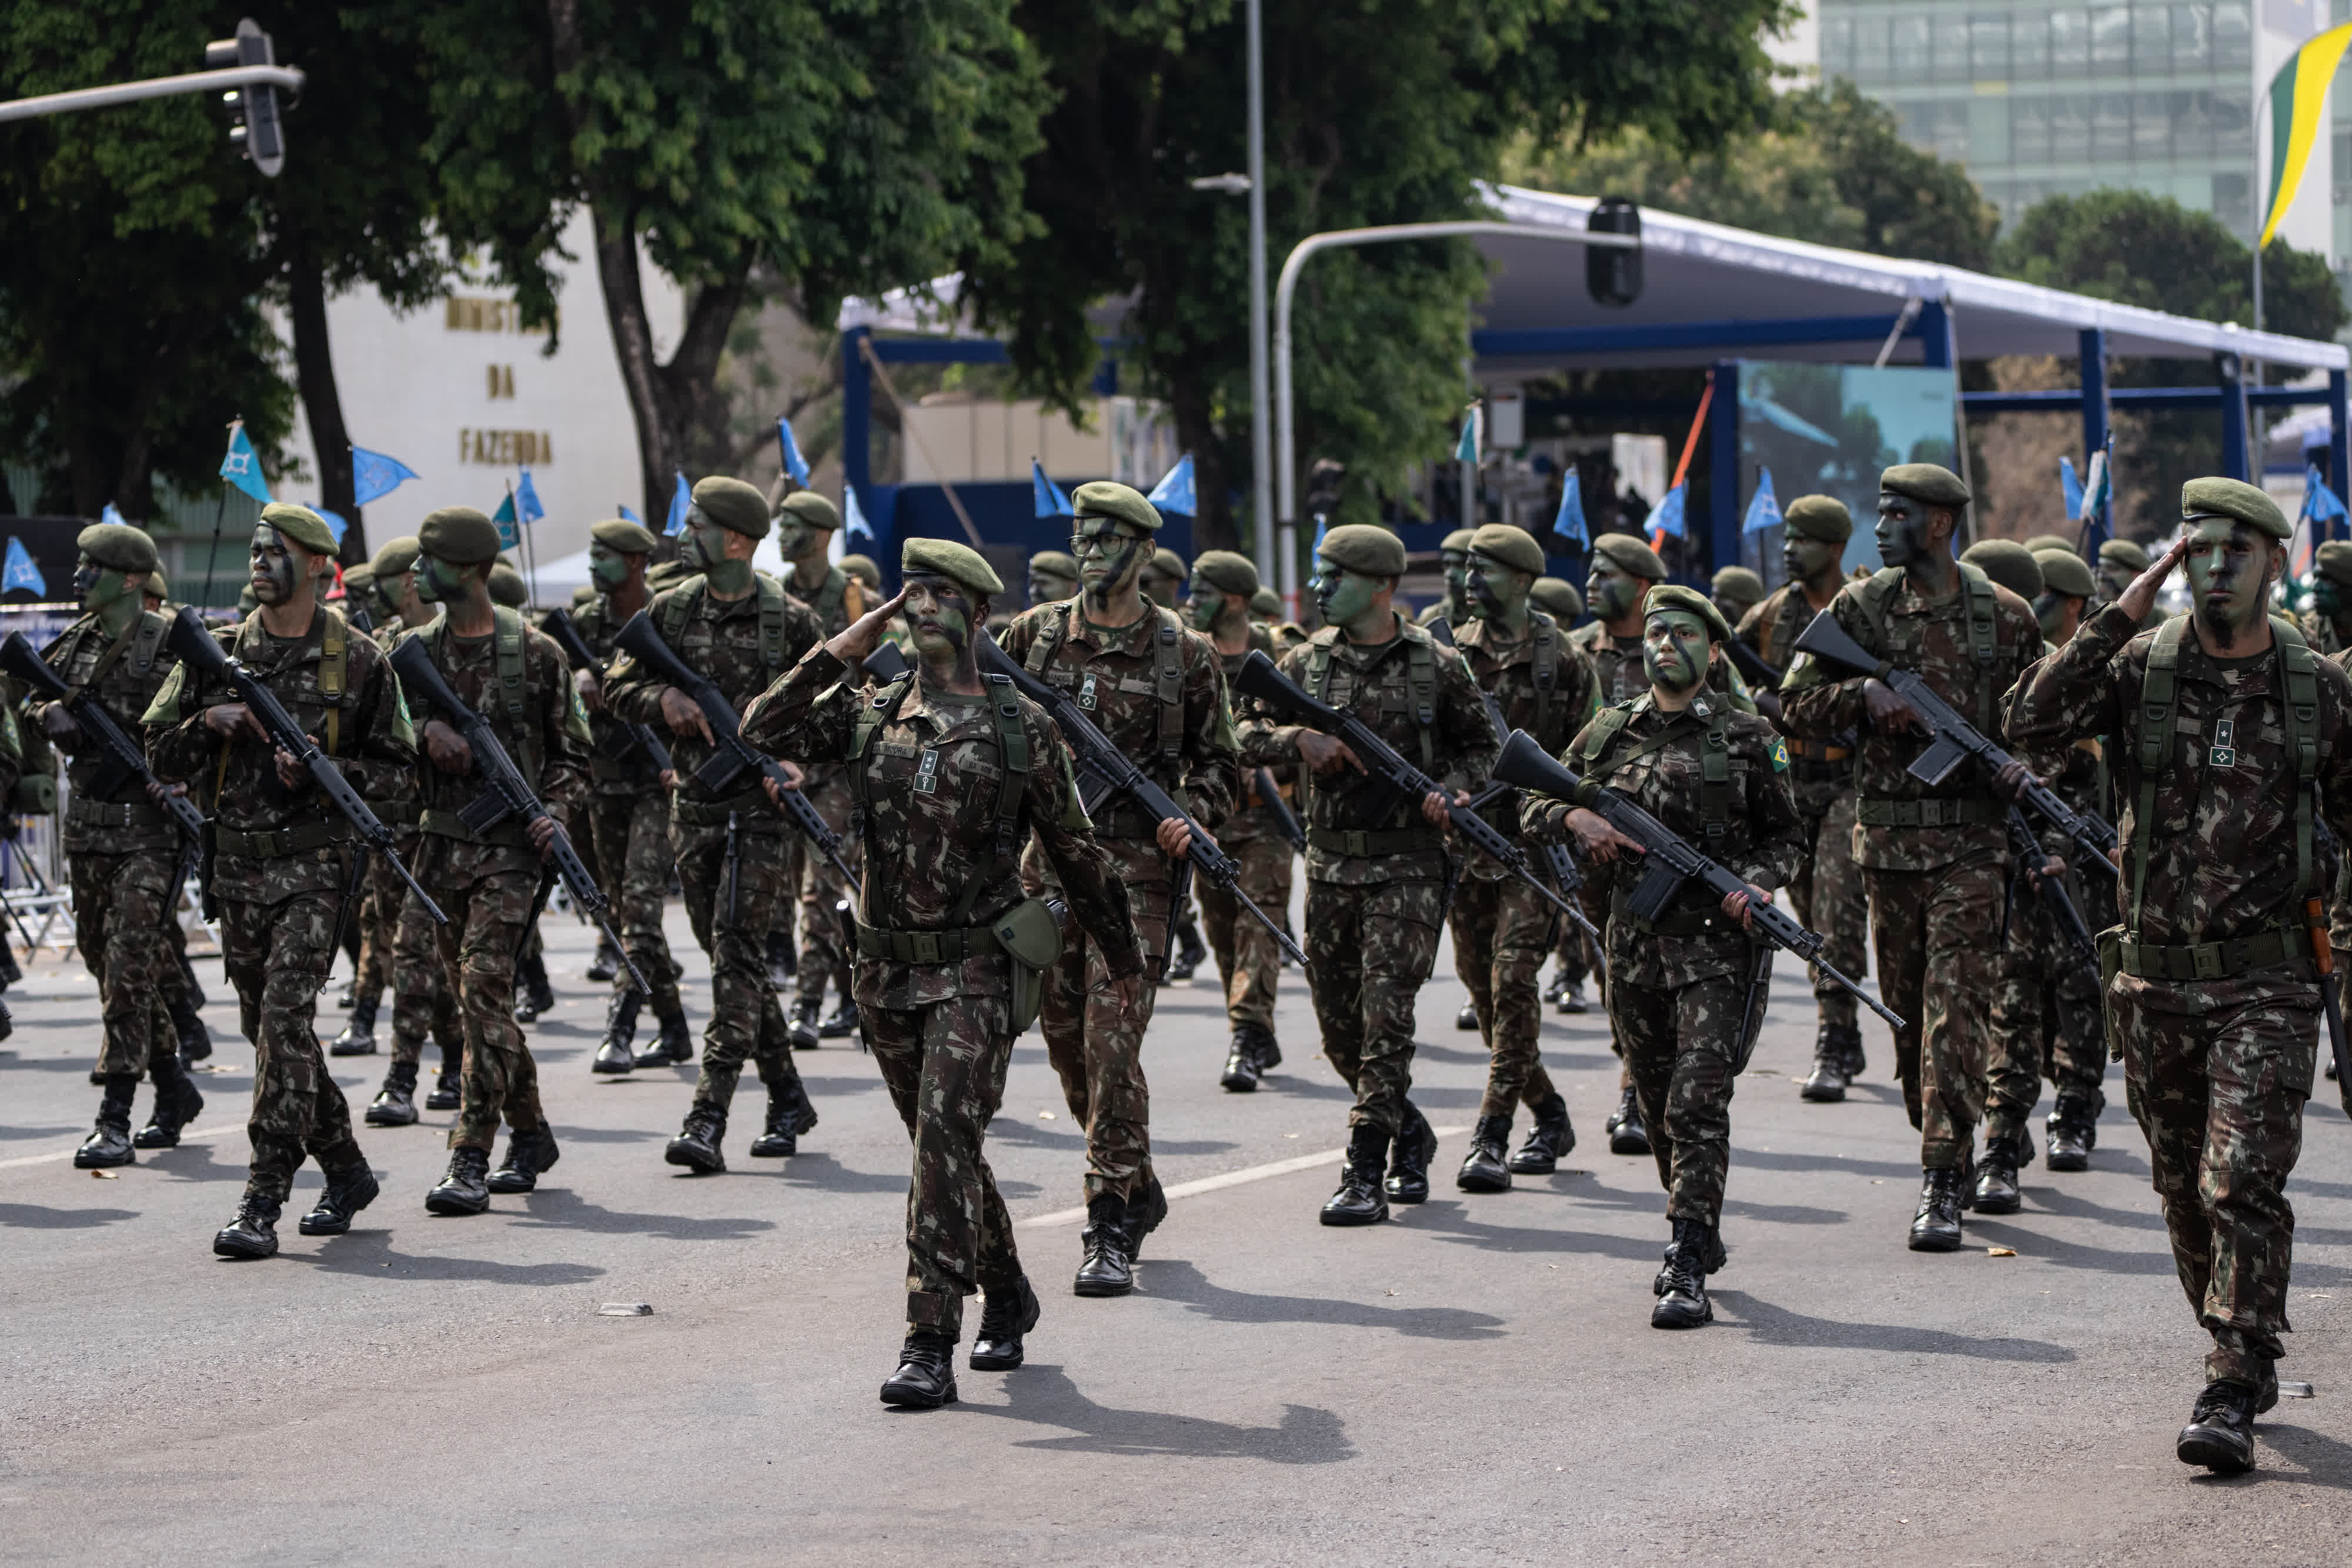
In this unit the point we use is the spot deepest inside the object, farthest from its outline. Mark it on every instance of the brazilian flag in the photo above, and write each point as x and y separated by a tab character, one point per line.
2298	115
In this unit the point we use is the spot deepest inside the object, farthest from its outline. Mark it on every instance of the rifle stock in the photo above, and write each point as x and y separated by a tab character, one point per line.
559	625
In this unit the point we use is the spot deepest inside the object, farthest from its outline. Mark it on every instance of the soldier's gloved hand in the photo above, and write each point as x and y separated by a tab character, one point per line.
793	778
1741	904
1596	839
1888	712
448	749
1175	836
1325	755
684	716
2012	779
60	726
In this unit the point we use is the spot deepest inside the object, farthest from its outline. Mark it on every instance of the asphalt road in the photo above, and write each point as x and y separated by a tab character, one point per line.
1475	1381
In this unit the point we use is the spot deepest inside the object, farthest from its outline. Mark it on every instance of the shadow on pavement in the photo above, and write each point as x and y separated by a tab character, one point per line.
19	1134
369	1253
35	1216
1174	1280
1776	1325
2325	1462
815	1168
558	1209
1046	1396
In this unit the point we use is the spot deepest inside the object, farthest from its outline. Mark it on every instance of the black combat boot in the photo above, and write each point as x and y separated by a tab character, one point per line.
803	1022
925	1376
1360	1201
674	1046
357	1038
1269	1052
606	963
347	1192
788	1115
1682	1283
465	1189
528	1156
1996	1187
533	996
253	1232
11	974
109	1144
2221	1431
841	1024
1626	1133
2074	1131
1483	1169
1936	1226
1189	952
1107	1268
394	1104
697	1146
1008	1313
348	995
1857	1063
177	1102
612	1052
448	1090
1710	1257
783	963
1145	1210
1242	1072
1467	1019
195	1039
1416	1145
1826	1084
1548	1142
1571	998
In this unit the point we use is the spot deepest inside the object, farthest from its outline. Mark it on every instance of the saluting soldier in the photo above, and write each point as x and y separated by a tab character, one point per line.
1453	565
1153	687
2230	741
1685	992
1503	929
952	773
282	855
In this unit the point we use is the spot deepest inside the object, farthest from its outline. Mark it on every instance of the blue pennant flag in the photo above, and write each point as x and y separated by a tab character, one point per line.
335	524
510	531
680	501
629	512
1322	526
20	571
1666	520
2072	486
2320	504
1466	450
1764	511
527	507
1051	501
111	513
1174	492
375	475
853	517
242	465
794	464
1569	526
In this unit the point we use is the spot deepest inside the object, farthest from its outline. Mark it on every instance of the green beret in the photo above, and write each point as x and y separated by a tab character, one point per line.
161	587
733	505
118	547
1168	564
1675	596
1823	517
301	525
957	563
668	574
2007	562
1054	563
865	569
2334	561
1557	597
585	593
1107	498
507	586
1458	540
2234	499
2123	552
1937	486
1632	555
396	555
462	535
2041	542
1364	548
1514	546
359	578
1738	584
2063	572
1266	602
620	534
808	506
1226	571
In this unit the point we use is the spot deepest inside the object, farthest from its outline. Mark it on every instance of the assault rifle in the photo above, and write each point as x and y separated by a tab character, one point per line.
1285	821
732	756
1108	763
1955	740
504	792
1669	863
558	625
2029	853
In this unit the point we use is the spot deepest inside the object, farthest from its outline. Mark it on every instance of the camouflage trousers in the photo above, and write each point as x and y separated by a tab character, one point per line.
2044	1022
824	953
1681	1043
944	1066
634	858
1248	961
1368	948
278	954
123	923
1502	929
2216	1073
1938	937
422	1000
490	913
1827	895
378	922
1097	1045
732	926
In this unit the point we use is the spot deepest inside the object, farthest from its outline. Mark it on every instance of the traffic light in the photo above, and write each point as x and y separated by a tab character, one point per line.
253	125
1614	276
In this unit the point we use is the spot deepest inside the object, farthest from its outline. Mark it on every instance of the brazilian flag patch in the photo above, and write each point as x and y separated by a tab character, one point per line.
1779	755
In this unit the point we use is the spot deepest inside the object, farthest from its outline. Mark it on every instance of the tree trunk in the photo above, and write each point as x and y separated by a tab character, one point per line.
322	405
1196	432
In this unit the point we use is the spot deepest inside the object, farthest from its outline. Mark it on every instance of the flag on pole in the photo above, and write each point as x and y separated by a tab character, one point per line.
1567	526
630	514
375	475
2320	504
2298	114
527	507
1665	519
1466	450
1175	493
680	501
2071	486
794	464
1051	501
20	571
2093	504
1764	510
111	513
853	516
242	464
510	531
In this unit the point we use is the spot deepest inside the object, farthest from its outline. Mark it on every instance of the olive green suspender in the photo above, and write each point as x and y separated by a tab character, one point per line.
1543	667
672	614
334	650
514	691
1012	789
1168	674
1421	689
1715	797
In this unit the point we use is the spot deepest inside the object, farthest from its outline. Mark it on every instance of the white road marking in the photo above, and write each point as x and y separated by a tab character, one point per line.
1210	1184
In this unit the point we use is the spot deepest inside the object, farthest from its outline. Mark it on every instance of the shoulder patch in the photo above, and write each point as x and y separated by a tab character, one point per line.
1779	755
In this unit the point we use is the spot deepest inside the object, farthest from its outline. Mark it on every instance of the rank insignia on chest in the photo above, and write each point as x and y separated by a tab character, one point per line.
1086	692
927	772
2225	750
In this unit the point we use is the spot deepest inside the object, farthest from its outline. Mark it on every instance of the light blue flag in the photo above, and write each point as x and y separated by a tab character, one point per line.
630	513
1569	524
2072	486
510	531
1322	526
20	571
794	464
853	517
527	507
1667	516
1174	492
1764	510
111	513
335	524
375	475
2320	503
1051	501
242	465
1466	450
680	501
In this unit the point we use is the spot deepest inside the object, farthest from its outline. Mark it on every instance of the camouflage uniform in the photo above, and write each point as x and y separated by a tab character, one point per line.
942	1033
1935	862
396	943
1155	689
282	860
1247	958
2216	1071
836	602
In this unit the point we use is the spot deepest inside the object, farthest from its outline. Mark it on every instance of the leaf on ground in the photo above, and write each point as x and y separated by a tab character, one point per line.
2001	1251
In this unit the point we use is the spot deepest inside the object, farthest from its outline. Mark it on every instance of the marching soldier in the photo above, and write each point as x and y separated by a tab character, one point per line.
1934	860
1266	610
1158	584
1558	598
1735	591
1502	928
2230	739
1378	870
2120	563
2327	624
281	856
1052	577
1453	563
1686	994
952	774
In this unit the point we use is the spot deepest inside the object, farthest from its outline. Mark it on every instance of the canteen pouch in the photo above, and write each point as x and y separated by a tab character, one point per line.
35	795
2111	964
1031	934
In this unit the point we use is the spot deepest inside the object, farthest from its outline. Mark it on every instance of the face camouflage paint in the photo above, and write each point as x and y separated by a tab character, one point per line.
273	567
1674	649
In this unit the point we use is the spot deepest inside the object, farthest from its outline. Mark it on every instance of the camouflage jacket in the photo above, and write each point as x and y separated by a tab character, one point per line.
1763	840
616	764
2221	837
1187	747
1250	820
364	729
1820	771
1932	636
1505	667
720	638
125	821
836	601
1374	682
933	768
2320	633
